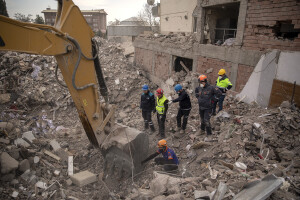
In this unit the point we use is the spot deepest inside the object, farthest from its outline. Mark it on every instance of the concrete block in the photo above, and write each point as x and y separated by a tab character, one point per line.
55	145
8	163
83	178
24	165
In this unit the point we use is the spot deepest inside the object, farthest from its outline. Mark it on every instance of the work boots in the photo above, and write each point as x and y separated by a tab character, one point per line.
146	125
208	131
152	128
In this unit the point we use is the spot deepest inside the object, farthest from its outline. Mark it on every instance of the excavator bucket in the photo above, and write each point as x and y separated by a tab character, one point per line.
124	150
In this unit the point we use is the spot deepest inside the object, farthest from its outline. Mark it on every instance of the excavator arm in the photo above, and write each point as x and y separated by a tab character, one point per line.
70	41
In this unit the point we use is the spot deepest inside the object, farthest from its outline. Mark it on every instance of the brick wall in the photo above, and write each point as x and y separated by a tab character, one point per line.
244	72
261	19
162	63
144	59
206	63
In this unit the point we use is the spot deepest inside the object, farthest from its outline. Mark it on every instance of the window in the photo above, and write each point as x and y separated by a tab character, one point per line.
221	22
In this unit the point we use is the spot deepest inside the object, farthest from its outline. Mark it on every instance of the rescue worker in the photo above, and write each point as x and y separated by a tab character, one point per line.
224	85
169	159
185	107
161	108
205	94
147	105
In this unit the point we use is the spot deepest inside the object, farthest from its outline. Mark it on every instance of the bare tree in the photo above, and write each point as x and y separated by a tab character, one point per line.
22	17
146	16
115	22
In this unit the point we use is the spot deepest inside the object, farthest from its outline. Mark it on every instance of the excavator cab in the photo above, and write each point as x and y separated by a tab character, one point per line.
70	40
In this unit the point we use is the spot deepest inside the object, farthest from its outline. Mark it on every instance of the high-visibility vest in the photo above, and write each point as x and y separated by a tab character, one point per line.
160	104
223	83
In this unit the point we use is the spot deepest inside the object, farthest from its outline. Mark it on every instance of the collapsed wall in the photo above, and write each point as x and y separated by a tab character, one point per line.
227	34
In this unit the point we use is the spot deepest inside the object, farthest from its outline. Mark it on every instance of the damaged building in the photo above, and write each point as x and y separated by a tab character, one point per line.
206	35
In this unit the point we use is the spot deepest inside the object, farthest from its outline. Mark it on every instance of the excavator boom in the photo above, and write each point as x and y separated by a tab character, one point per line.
70	41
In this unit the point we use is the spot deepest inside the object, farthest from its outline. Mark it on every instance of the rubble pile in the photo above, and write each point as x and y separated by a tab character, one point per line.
40	132
185	39
124	82
249	144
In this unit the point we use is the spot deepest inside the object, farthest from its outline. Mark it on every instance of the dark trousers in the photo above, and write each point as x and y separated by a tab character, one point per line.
205	120
185	114
147	119
169	165
161	123
220	103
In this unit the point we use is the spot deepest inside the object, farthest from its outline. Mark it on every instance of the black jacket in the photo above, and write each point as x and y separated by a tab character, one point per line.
205	96
147	102
184	100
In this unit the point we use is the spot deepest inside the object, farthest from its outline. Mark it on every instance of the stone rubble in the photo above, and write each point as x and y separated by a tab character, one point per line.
249	142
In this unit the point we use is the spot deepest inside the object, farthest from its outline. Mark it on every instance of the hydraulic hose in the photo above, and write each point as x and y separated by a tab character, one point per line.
77	65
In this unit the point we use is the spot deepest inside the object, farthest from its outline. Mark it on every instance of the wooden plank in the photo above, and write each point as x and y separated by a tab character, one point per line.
283	91
107	118
52	155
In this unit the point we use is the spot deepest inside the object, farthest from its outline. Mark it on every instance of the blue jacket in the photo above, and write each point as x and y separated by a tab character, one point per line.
169	155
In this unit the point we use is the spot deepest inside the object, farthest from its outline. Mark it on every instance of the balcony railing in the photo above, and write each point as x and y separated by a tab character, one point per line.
224	33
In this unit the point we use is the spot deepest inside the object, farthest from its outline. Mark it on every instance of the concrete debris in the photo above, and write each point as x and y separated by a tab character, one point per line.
5	98
55	145
47	114
202	195
8	163
83	178
260	190
24	165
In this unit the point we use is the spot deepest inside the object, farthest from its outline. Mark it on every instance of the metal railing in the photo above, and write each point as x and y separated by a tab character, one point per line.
225	33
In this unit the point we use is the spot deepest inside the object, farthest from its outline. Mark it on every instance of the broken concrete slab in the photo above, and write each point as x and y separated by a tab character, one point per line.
55	145
4	141
260	190
29	136
83	178
220	193
21	142
6	126
202	195
8	163
24	165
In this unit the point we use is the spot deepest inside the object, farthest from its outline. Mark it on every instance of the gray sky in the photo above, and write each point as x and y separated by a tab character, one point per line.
116	9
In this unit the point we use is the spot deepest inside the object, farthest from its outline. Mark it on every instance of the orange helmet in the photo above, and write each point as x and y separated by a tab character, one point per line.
202	78
159	91
162	144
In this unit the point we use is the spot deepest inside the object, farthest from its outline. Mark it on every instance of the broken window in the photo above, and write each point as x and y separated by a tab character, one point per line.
221	23
183	64
286	30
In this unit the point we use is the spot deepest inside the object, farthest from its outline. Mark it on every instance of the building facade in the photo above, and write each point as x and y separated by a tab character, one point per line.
95	18
230	34
128	30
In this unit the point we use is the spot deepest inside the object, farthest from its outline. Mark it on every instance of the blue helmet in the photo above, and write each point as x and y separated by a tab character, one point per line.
177	87
145	87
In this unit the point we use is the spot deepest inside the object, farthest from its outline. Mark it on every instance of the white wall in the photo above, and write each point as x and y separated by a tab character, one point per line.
175	11
284	66
289	67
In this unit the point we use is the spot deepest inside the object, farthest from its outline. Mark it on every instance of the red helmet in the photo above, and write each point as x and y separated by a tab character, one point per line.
159	91
202	78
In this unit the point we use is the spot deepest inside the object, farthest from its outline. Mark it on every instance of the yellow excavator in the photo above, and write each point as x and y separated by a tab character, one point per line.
70	40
